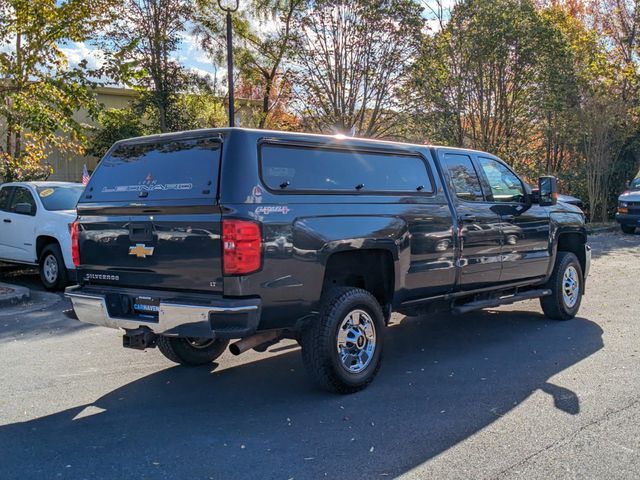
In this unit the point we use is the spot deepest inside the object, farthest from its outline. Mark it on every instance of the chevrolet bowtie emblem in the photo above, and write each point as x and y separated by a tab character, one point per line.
140	250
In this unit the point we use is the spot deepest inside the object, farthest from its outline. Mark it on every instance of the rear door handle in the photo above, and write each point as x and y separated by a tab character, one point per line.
468	218
6	220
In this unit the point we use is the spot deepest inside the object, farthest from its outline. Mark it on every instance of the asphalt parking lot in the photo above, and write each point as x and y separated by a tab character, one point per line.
502	393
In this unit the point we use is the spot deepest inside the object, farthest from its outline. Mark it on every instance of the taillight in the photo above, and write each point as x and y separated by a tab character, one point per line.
75	244
241	247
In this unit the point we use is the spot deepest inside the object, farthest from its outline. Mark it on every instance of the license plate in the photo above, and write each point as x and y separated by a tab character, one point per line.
146	305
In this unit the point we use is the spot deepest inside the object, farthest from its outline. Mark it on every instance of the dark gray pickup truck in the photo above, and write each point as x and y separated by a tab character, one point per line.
186	241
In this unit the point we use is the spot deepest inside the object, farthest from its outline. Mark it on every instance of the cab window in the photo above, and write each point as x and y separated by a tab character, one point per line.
464	177
505	185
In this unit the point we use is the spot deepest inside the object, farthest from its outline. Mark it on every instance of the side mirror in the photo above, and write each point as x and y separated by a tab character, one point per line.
627	184
547	191
24	209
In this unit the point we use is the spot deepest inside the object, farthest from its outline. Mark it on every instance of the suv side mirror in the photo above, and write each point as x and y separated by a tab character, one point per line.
24	209
547	191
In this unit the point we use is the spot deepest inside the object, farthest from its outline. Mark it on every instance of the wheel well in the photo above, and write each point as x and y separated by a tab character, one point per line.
41	242
573	242
371	270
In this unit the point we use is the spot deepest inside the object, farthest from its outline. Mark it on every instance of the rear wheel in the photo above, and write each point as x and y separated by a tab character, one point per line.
342	349
628	228
191	351
566	285
53	273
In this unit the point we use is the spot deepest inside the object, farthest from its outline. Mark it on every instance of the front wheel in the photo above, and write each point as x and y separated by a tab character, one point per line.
566	285
628	228
342	348
191	351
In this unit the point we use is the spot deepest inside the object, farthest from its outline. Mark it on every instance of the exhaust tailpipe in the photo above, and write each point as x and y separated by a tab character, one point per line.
268	336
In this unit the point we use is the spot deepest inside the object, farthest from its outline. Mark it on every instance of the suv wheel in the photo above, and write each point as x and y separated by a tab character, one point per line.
191	351
628	228
342	349
53	273
566	284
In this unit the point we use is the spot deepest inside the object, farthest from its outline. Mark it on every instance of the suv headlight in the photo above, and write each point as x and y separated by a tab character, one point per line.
622	204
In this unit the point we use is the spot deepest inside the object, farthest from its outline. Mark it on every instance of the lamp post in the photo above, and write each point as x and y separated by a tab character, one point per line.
229	9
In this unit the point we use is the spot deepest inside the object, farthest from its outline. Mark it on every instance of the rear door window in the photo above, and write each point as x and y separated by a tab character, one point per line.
170	170
288	168
464	177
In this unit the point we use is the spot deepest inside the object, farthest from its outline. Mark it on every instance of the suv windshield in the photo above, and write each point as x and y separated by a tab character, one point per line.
60	197
635	184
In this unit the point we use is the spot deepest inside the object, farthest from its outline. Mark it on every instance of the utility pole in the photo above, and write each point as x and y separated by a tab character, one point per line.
230	9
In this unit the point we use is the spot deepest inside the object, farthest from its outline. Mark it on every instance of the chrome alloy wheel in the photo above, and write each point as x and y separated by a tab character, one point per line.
356	341
570	286
50	268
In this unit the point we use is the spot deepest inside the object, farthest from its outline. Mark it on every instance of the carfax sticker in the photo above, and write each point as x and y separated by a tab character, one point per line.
269	209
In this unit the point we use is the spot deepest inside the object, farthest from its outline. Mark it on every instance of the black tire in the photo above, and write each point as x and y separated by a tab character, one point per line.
186	351
319	341
53	273
555	306
628	228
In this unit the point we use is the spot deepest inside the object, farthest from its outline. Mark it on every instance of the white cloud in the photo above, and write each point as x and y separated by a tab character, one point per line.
7	44
202	58
206	73
190	42
78	51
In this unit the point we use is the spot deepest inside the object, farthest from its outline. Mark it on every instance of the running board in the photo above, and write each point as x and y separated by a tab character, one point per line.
496	302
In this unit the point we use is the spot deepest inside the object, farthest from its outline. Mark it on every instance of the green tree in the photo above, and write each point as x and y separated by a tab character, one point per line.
140	43
474	79
39	91
352	61
115	124
263	46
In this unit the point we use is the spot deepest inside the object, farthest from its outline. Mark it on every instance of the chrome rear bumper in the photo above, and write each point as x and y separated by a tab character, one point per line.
222	318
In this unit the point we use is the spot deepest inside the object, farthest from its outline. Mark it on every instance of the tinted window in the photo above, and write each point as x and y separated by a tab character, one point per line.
60	197
5	193
464	177
184	169
299	168
22	195
635	184
505	185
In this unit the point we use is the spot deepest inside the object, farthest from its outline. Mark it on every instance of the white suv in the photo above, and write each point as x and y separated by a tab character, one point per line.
35	219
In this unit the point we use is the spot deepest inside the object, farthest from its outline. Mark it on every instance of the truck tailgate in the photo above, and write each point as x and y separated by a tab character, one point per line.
149	217
176	252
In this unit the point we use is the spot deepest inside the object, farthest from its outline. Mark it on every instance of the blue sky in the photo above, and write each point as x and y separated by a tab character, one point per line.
190	54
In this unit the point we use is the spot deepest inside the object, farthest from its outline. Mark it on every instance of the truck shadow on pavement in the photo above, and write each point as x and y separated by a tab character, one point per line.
443	379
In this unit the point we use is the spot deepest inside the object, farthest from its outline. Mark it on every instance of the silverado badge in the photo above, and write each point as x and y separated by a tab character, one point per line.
140	250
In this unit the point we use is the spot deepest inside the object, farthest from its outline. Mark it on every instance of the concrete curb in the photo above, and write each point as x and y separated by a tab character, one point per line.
12	294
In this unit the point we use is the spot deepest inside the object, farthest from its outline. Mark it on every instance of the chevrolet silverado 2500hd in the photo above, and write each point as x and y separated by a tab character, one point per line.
186	241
